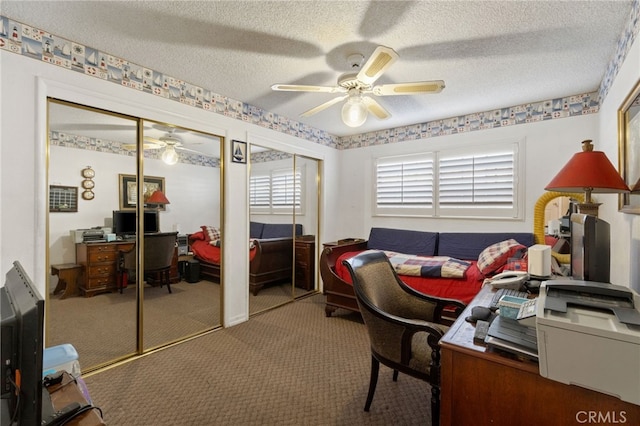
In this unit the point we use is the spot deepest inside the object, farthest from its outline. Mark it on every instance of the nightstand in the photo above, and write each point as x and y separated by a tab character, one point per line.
305	261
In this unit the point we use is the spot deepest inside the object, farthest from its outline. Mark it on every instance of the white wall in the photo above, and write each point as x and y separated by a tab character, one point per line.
625	228
548	145
25	85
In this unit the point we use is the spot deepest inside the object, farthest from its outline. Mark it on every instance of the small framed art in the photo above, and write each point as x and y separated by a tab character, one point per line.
238	151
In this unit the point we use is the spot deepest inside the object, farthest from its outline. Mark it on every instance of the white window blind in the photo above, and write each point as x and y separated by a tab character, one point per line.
260	191
275	191
461	182
285	188
481	180
404	185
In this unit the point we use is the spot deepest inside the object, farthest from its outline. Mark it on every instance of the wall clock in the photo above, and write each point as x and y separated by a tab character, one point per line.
88	194
88	173
88	184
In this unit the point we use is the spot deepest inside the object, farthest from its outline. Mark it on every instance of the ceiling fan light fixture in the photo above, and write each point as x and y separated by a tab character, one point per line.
354	111
170	156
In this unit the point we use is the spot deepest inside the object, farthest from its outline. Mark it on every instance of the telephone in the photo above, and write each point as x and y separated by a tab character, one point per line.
509	279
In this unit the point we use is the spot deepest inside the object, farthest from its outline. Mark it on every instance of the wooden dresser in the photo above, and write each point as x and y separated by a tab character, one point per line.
100	265
305	261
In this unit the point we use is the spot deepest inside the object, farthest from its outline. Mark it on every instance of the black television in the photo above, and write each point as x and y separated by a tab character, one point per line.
124	222
590	248
22	349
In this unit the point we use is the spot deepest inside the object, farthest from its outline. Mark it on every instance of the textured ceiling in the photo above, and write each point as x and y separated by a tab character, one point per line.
491	54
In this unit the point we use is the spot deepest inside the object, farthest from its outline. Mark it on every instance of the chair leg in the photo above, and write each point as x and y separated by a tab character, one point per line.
395	375
168	279
373	381
435	405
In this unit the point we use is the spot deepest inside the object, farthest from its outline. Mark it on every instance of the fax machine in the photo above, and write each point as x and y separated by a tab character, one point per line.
589	335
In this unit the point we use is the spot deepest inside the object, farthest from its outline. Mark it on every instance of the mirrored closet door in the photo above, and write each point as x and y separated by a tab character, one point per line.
283	227
181	188
100	165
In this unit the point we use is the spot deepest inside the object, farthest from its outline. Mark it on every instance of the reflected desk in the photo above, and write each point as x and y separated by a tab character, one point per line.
485	387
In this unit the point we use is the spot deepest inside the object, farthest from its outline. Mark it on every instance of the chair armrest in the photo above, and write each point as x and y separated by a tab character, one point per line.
441	304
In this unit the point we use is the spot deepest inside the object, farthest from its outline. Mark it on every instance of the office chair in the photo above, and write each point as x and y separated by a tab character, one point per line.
159	249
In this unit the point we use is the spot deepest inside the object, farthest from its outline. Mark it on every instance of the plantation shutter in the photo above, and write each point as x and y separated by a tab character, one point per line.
405	185
286	189
260	191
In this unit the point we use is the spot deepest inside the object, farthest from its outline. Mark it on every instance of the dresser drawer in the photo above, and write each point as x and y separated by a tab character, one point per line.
98	270
106	282
102	256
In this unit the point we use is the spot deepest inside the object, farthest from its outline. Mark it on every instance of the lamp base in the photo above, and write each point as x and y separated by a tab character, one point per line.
589	208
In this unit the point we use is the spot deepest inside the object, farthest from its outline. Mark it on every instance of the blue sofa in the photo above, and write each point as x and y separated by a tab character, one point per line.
459	245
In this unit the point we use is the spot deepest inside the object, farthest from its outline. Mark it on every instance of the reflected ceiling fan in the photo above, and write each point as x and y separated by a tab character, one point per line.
356	85
170	142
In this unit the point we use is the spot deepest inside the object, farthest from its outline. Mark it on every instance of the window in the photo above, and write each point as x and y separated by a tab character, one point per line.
405	185
278	191
466	182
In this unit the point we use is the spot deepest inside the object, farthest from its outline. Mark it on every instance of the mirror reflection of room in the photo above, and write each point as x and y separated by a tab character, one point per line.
95	151
283	202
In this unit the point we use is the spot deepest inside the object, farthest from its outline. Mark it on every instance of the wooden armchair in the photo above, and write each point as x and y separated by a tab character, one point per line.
403	324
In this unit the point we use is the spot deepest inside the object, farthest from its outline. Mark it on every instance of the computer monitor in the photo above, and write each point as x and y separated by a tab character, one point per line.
22	349
590	248
124	222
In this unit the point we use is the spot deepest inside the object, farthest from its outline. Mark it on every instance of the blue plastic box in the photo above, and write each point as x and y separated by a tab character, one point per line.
61	357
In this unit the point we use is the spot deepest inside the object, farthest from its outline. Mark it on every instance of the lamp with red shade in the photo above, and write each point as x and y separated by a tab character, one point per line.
589	171
158	199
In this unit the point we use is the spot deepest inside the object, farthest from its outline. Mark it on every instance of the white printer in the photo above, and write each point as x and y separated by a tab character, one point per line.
589	335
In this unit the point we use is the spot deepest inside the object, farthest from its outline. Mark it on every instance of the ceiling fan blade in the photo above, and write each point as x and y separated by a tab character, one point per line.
182	148
414	88
303	88
323	106
149	143
381	59
375	108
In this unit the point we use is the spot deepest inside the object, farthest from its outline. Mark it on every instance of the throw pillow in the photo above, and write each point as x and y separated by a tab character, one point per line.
496	255
211	233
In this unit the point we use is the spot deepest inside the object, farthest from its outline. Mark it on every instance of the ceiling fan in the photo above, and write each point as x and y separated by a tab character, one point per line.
169	141
356	84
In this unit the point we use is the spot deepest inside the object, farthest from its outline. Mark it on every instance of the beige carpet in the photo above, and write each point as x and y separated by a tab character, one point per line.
103	327
287	366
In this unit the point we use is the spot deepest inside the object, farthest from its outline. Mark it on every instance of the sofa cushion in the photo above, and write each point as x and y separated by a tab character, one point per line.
279	230
496	255
255	229
403	241
469	245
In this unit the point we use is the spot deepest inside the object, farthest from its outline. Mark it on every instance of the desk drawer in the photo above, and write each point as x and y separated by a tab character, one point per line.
106	282
95	257
99	270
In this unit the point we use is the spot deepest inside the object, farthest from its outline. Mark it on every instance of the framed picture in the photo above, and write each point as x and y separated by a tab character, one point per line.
238	151
629	150
129	190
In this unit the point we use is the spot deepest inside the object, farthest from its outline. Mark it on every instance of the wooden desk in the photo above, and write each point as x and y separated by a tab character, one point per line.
482	387
100	261
67	392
